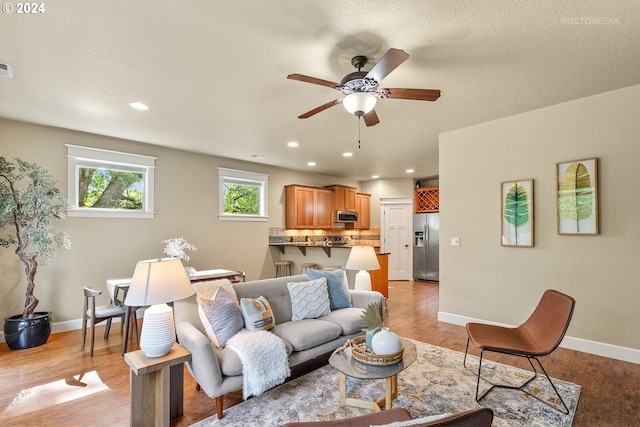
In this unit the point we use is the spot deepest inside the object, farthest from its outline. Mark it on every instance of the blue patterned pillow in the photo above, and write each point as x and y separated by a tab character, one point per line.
338	286
309	299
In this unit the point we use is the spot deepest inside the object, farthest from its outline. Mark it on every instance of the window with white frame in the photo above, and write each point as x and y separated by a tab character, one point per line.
243	195
109	184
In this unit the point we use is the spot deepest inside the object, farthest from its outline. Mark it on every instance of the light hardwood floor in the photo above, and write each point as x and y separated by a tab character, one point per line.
44	386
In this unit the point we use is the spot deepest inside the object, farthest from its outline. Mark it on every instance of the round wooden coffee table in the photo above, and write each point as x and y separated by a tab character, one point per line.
347	366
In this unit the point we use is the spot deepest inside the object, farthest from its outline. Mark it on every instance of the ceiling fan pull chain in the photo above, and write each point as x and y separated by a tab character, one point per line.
359	126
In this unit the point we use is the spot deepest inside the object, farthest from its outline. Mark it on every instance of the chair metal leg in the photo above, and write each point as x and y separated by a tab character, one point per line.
520	387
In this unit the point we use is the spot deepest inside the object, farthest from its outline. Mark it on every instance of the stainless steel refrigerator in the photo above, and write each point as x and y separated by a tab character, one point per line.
426	247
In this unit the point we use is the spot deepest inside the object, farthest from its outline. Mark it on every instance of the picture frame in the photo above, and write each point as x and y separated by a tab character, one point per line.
516	213
577	197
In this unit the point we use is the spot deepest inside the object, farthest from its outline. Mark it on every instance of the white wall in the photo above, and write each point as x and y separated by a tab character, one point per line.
482	280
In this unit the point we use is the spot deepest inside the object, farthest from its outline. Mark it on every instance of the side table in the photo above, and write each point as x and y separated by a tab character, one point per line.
156	386
348	366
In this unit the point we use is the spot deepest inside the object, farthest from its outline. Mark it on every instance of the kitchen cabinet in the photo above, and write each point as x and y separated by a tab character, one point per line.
344	198
308	207
380	278
363	207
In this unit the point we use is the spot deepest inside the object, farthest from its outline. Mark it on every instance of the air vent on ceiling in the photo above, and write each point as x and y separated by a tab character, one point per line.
6	70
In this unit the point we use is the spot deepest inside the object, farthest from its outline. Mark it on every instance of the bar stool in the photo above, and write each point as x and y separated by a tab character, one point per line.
307	266
331	267
283	268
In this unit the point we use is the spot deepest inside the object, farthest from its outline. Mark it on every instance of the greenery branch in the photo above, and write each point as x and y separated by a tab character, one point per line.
29	200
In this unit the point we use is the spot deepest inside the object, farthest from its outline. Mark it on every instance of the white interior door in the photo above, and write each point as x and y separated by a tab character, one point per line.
397	216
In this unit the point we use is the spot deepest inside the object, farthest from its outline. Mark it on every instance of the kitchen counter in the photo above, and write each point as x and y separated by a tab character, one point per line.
302	246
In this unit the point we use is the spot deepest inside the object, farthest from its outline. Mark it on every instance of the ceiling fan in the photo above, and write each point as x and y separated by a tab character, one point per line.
361	88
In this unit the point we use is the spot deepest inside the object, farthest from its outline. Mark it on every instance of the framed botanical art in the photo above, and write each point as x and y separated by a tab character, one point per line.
577	197
517	213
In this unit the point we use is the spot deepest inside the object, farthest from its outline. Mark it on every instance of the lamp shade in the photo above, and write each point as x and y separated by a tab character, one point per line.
157	281
359	103
362	258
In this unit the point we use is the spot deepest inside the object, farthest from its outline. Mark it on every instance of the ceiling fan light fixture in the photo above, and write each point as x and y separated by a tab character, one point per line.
359	103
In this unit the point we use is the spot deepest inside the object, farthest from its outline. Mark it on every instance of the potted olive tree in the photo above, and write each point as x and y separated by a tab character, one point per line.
29	201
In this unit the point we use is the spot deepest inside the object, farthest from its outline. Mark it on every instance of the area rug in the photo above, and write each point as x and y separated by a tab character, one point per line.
436	383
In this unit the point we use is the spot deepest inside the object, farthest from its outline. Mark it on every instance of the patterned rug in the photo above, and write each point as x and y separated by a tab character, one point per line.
436	383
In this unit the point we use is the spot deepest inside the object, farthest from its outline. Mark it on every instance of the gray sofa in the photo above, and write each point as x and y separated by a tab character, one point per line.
219	371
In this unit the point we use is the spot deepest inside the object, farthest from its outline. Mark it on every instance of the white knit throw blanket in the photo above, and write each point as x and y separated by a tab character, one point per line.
264	360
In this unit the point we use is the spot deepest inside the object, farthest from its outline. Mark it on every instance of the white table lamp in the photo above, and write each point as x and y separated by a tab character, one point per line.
362	258
156	282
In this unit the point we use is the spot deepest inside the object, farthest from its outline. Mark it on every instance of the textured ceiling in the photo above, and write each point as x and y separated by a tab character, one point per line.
214	72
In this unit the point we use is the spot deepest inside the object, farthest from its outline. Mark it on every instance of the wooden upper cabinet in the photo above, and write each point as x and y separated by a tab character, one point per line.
427	199
363	207
307	207
344	198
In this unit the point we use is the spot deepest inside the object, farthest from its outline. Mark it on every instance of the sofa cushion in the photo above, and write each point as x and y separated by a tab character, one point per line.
230	363
337	285
307	333
347	318
309	299
221	317
257	314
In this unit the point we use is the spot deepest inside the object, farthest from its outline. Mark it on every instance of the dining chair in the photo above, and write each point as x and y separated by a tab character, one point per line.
538	336
96	314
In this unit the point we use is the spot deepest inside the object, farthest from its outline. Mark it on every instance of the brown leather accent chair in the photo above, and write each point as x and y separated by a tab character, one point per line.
538	336
481	417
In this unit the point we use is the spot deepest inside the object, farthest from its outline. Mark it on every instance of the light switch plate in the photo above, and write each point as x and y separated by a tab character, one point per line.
455	241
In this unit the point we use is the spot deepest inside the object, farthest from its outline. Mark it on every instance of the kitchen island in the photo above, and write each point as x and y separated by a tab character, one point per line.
302	246
379	278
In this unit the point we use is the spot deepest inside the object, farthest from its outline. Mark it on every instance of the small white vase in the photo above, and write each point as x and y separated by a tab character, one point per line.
385	342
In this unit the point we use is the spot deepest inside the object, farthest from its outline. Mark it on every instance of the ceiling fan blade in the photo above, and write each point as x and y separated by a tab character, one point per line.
387	64
320	108
417	94
371	118
303	78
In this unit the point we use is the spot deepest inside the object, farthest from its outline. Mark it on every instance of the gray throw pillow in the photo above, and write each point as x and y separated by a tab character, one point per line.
337	284
309	299
221	317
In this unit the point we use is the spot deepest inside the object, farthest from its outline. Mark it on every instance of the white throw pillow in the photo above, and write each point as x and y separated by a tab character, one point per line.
257	314
309	299
221	317
208	288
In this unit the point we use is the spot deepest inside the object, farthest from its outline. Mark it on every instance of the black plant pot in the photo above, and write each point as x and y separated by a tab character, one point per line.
22	333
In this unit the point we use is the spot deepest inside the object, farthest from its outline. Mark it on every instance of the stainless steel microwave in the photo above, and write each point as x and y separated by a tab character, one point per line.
346	216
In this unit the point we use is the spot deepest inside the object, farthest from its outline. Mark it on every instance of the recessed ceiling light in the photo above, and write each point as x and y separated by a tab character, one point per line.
292	144
139	106
311	163
409	171
375	176
347	154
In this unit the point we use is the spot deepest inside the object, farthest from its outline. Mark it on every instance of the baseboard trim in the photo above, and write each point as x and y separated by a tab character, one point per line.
72	325
626	354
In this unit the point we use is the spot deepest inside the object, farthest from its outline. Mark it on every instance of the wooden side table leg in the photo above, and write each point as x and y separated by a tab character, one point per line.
177	391
343	388
141	409
162	398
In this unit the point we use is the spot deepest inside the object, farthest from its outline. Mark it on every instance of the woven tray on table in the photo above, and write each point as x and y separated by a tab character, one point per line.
361	353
